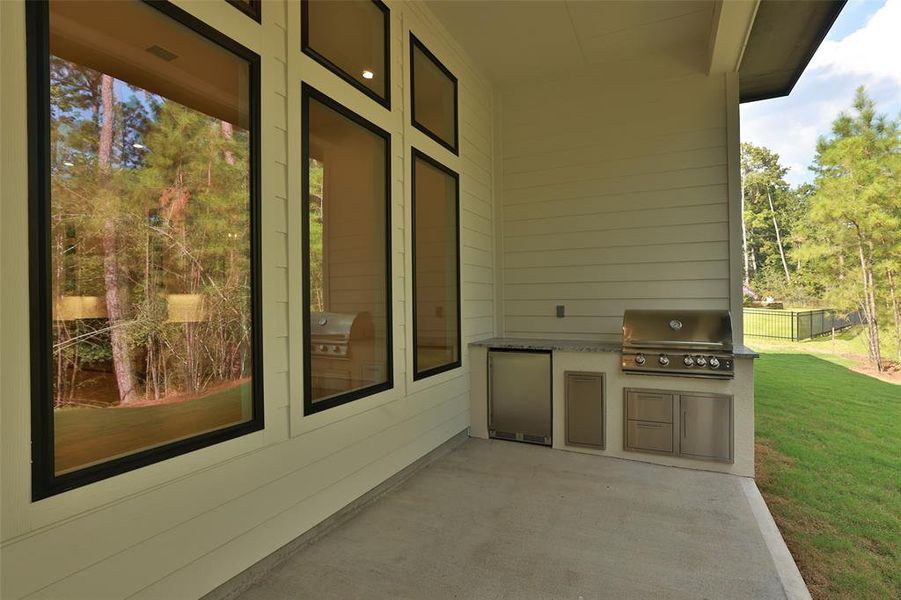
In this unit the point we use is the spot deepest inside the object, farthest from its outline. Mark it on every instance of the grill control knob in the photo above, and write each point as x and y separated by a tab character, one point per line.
688	361
714	362
639	359
663	360
702	362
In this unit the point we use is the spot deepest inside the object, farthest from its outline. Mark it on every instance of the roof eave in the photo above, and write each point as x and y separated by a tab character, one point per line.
769	10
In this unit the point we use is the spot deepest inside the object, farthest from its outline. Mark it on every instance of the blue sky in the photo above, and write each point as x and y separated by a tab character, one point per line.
862	48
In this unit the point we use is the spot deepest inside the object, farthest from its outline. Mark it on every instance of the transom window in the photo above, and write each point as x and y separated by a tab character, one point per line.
433	89
351	38
252	8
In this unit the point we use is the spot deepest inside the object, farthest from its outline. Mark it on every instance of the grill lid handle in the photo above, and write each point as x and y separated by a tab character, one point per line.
671	344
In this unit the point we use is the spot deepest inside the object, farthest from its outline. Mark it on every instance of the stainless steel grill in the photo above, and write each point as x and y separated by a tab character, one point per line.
683	343
342	352
332	334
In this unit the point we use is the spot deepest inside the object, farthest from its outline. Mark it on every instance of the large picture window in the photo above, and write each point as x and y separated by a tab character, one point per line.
433	89
144	195
351	38
436	271
347	268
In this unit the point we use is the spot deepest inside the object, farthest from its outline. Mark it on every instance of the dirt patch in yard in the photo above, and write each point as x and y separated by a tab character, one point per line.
891	371
794	526
177	397
766	460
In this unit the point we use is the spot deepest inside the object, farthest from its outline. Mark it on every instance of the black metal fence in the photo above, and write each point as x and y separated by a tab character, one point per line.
794	325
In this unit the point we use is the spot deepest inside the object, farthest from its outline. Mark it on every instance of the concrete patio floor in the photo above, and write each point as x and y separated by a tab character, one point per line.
494	519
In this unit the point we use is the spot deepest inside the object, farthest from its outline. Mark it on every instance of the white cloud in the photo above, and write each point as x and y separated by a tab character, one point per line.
869	55
789	135
872	52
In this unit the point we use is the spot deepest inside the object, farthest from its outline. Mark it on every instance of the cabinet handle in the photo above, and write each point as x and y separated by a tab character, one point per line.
649	425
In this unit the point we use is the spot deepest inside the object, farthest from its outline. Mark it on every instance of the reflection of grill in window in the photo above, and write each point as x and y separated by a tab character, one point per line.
347	202
343	353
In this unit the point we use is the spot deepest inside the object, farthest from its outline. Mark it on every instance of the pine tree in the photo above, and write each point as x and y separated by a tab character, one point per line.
855	213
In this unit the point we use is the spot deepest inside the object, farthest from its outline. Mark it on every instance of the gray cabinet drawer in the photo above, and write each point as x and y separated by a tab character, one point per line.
585	409
649	406
649	435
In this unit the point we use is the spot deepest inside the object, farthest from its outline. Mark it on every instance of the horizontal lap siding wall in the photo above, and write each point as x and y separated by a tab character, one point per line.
614	196
179	528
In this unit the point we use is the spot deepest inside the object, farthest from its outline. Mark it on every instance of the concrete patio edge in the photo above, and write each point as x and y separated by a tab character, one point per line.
789	575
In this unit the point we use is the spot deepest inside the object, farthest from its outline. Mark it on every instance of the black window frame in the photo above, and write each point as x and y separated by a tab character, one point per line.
45	482
253	8
305	47
415	43
308	92
417	154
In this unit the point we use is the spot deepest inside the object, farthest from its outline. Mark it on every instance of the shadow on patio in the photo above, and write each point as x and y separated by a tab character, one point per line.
493	519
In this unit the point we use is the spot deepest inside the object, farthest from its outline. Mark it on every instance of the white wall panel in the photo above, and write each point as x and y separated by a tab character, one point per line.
179	528
613	192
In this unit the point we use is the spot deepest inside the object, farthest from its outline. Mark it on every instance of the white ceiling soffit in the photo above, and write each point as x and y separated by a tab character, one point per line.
729	32
514	40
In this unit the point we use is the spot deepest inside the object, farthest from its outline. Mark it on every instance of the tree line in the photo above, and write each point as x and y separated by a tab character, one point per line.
835	242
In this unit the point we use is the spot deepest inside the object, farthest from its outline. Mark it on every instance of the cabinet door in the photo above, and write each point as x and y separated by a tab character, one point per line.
585	409
706	426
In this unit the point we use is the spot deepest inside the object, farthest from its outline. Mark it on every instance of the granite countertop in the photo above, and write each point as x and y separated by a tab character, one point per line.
740	351
550	344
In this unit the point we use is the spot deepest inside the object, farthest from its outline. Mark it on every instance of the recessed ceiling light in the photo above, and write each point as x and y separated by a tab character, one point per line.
367	74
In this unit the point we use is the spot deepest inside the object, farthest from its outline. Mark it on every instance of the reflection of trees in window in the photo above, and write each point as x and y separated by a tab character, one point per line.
144	187
150	244
317	238
149	211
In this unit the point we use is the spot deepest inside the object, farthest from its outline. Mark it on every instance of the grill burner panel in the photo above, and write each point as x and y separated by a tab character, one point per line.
680	343
332	334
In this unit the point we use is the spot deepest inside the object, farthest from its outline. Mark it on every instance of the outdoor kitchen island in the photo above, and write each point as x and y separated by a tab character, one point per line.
605	358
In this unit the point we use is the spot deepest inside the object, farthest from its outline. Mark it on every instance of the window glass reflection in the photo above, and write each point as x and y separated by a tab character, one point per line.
434	97
349	37
435	280
150	249
348	298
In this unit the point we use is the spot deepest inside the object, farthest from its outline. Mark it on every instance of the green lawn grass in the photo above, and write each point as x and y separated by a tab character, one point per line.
829	465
